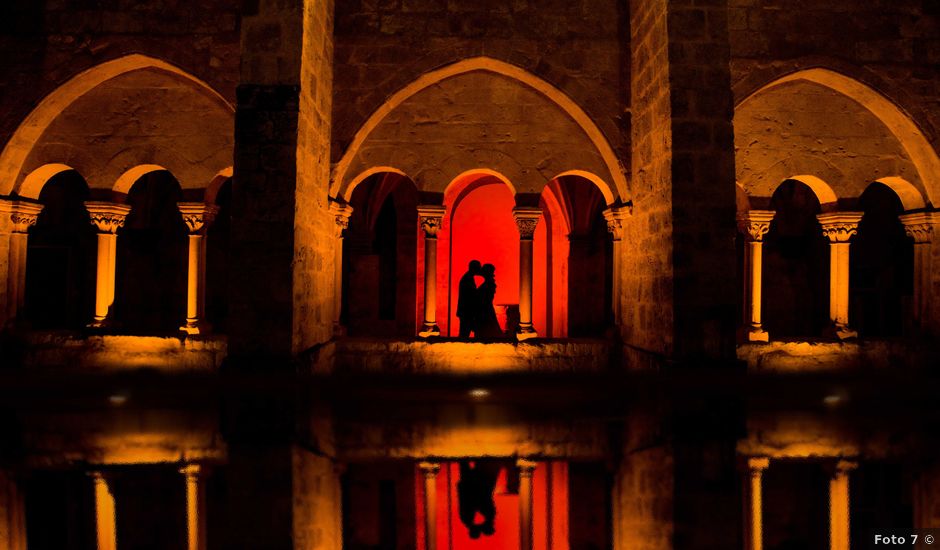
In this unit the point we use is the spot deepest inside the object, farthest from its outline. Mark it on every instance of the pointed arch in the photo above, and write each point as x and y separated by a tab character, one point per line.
908	134
17	149
618	189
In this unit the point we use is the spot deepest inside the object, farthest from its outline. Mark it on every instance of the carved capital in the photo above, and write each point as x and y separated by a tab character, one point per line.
192	471
755	223
843	467
429	469
757	465
197	215
526	466
615	216
527	219
341	213
23	214
108	217
431	217
839	227
919	225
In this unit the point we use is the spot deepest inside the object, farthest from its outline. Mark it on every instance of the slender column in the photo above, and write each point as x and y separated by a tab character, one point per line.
754	511
341	213
195	506
919	226
21	215
526	467
107	217
839	228
105	519
198	216
430	217
430	470
754	224
526	221
12	514
615	217
839	505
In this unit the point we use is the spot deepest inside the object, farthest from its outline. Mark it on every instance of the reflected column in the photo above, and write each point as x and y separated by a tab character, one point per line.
12	513
839	517
195	506
430	217
107	217
839	228
754	224
198	216
105	514
19	217
615	217
341	213
754	511
526	468
429	470
919	226
527	220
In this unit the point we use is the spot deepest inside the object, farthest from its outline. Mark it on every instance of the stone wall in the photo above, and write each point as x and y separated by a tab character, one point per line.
383	46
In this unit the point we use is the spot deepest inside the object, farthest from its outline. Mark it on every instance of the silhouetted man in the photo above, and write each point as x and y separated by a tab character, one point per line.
475	494
468	304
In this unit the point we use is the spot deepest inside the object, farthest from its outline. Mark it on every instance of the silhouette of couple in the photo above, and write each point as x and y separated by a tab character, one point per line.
475	304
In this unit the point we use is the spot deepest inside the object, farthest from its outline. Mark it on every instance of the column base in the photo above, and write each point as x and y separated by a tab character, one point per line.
430	330
526	333
841	332
100	324
194	327
758	335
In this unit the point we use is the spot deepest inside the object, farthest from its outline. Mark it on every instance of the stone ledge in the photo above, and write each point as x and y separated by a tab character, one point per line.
817	356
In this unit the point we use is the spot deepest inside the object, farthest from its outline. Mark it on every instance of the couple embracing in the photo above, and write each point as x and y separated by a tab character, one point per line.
475	304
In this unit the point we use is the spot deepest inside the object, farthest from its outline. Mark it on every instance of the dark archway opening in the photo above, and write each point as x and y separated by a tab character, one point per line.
60	511
60	261
796	265
150	295
218	242
379	255
796	505
881	267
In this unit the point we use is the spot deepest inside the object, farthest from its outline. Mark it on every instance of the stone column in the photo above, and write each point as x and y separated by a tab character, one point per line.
615	217
198	216
430	470
839	228
919	227
839	520
526	467
527	219
107	217
754	224
105	518
430	217
12	514
754	511
195	506
18	216
341	213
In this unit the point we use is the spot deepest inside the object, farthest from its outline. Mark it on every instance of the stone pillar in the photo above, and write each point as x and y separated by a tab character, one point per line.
839	228
105	513
198	216
527	218
754	224
12	514
615	217
754	508
526	468
839	517
919	227
17	217
107	217
341	213
195	506
430	470
430	218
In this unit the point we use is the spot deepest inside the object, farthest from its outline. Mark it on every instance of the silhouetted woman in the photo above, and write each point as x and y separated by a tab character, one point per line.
488	325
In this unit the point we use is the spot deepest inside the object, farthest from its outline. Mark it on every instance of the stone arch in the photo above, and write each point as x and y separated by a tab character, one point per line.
365	174
21	143
913	141
741	199
129	178
212	190
820	188
911	198
468	177
593	178
34	182
601	147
